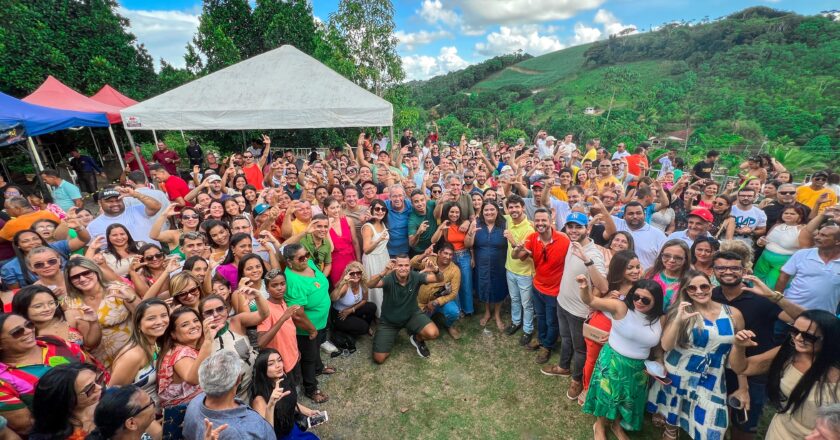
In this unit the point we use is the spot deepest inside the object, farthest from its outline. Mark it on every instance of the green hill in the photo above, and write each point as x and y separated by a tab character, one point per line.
756	78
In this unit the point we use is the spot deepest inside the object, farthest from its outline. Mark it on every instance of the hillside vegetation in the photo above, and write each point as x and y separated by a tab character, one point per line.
759	78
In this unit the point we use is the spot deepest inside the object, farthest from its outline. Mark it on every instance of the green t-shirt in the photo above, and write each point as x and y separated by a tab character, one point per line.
414	221
399	303
311	293
321	255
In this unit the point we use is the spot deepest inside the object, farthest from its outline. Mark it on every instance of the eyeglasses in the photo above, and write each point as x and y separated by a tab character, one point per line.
787	193
157	256
356	273
378	209
192	292
722	269
806	337
19	331
701	288
80	275
675	258
209	313
143	408
642	299
190	217
43	264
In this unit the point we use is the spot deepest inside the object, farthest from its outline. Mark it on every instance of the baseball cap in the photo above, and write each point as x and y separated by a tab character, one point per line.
108	193
579	218
261	208
213	178
820	174
551	138
538	184
703	213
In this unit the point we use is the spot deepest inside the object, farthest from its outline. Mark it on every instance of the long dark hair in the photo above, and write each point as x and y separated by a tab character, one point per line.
377	202
21	257
500	218
713	242
208	225
54	402
168	339
234	240
444	214
262	386
618	265
23	299
653	287
818	375
244	260
131	247
114	408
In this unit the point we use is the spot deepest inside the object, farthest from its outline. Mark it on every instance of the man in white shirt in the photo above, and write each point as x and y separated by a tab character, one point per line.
137	218
647	239
750	221
814	273
667	161
621	152
565	148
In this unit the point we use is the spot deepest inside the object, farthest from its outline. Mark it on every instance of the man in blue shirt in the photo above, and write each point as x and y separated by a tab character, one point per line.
65	194
86	169
399	210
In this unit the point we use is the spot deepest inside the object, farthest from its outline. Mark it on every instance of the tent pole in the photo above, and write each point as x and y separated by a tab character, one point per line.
154	135
137	155
391	128
96	145
39	165
116	147
184	138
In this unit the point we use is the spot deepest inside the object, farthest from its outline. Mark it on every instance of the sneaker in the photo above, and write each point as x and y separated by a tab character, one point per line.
329	347
525	338
543	355
575	388
512	329
454	332
422	350
533	345
555	370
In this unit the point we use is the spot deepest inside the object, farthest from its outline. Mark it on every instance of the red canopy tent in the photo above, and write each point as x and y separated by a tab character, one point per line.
109	95
53	93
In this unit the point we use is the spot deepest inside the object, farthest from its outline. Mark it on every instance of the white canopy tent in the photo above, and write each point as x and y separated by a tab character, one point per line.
281	89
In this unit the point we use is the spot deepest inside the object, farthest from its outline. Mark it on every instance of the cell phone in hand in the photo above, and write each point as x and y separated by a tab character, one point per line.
317	419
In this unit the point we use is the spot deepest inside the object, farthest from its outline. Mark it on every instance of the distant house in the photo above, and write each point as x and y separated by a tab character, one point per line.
590	111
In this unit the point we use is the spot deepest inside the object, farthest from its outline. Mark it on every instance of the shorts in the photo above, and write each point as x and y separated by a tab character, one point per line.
386	332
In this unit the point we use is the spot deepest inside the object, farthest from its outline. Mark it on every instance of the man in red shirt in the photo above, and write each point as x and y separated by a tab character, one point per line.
132	164
174	187
637	163
548	249
166	157
253	167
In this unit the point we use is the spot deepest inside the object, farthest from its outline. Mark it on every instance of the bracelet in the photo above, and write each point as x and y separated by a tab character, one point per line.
589	263
777	296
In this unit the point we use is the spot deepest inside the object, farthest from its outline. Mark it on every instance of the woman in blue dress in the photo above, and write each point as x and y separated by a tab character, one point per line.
486	236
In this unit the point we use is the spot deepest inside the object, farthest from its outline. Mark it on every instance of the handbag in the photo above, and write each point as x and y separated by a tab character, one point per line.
593	333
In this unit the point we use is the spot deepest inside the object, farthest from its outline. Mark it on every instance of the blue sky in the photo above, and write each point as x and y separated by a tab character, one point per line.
437	36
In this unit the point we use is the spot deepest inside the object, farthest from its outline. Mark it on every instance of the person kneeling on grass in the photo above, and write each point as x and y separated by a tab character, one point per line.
399	286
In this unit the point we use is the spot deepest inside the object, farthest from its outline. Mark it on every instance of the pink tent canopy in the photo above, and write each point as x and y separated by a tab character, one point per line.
109	95
53	93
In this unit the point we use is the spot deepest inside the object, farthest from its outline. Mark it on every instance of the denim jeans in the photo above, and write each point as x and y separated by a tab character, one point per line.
465	292
450	311
521	305
572	343
545	308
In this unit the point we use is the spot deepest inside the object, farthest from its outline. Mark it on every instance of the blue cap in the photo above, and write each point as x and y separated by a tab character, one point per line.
261	208
579	218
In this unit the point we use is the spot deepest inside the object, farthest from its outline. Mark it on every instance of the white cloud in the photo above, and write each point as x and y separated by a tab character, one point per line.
512	38
585	34
165	33
610	22
425	67
433	11
507	12
414	39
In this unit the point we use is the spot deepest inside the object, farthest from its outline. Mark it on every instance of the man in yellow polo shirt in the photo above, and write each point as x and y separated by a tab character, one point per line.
816	195
520	273
23	216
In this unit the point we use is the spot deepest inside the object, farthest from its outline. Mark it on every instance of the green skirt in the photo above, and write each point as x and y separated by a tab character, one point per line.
618	388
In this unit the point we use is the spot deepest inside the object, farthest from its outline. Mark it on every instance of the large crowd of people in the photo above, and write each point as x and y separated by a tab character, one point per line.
201	302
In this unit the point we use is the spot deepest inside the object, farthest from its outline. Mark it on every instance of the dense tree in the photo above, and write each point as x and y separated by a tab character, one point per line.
285	22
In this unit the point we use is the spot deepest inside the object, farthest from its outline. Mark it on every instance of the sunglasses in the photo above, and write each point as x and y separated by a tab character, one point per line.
787	193
19	331
378	209
436	191
302	258
80	275
190	217
642	299
209	313
192	292
247	156
143	408
89	389
157	256
700	288
43	264
807	337
355	273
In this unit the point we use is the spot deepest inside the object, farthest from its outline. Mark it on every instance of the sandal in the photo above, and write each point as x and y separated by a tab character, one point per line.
328	370
670	432
318	397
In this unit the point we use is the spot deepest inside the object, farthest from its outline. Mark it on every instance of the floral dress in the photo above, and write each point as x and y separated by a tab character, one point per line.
115	320
696	399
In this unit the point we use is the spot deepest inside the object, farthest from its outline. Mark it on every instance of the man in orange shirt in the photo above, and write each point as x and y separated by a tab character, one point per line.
548	249
23	216
252	169
637	163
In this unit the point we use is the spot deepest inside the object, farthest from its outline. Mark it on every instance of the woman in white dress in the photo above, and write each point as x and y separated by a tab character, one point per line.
375	246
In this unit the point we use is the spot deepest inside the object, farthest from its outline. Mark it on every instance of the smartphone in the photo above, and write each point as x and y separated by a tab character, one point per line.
317	419
738	409
663	380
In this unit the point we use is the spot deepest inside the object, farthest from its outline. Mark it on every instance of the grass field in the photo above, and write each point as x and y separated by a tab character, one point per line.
482	386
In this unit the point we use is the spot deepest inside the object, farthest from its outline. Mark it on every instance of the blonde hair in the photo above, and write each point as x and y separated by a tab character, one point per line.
352	267
179	283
